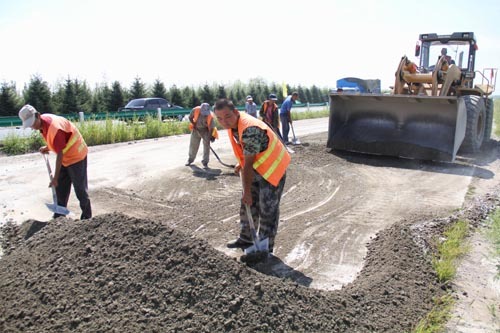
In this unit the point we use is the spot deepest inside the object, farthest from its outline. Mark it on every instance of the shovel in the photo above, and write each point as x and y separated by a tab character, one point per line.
232	166
54	207
288	149
295	140
259	245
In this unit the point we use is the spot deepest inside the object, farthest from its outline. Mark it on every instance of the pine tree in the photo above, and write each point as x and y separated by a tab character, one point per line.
176	96
83	96
239	96
159	90
37	94
308	94
137	90
116	99
9	100
315	94
221	92
206	95
195	101
302	94
232	96
69	104
101	99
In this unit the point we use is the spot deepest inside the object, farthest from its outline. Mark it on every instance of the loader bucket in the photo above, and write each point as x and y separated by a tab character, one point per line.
418	127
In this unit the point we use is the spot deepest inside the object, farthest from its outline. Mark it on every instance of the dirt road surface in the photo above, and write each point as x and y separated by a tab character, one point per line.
333	204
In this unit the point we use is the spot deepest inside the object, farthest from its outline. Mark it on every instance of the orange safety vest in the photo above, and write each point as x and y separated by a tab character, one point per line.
197	111
271	164
274	108
76	148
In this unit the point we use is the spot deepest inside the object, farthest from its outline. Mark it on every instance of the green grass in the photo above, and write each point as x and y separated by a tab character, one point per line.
445	264
101	132
452	248
310	114
437	317
113	131
496	117
493	234
14	144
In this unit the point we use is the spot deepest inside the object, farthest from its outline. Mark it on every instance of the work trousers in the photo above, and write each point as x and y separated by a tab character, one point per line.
194	145
265	210
285	126
75	174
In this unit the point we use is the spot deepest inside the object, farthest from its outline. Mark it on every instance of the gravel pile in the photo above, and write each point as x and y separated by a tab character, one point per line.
117	273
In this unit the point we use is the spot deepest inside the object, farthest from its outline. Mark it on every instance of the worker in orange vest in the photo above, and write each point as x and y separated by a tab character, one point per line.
64	139
262	163
203	128
269	113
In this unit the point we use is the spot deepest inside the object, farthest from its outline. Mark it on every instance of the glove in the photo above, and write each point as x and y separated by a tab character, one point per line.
212	139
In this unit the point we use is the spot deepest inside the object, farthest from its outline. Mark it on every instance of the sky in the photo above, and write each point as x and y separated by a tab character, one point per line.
193	42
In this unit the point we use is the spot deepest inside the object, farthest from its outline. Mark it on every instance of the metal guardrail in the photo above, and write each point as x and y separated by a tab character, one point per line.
128	115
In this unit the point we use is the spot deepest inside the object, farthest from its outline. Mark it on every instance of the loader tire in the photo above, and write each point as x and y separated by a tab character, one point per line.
489	119
476	121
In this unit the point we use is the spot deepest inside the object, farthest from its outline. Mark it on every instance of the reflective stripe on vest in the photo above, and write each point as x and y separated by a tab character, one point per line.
271	164
75	149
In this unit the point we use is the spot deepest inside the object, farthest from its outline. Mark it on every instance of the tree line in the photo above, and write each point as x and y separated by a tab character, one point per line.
74	95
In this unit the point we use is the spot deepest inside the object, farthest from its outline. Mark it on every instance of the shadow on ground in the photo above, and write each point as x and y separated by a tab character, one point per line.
274	266
464	165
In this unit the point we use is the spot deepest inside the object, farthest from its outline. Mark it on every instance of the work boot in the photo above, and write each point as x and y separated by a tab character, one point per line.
205	165
238	244
188	163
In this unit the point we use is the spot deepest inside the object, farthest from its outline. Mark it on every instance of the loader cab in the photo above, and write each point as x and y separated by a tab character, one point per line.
460	47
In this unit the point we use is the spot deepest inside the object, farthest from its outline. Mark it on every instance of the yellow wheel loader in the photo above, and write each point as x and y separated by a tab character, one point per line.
435	108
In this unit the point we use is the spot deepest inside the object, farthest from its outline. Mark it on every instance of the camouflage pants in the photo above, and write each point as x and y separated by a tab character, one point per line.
265	210
194	145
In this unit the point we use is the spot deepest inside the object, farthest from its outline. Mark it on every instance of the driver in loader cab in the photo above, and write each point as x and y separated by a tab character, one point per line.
444	53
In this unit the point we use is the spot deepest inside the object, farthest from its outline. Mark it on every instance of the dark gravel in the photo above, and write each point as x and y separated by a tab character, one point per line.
120	274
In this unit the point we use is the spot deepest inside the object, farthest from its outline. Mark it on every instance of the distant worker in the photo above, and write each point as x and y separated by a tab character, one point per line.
262	164
251	107
203	128
286	115
64	139
269	113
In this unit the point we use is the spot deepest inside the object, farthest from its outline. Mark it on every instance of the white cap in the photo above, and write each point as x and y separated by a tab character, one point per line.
27	115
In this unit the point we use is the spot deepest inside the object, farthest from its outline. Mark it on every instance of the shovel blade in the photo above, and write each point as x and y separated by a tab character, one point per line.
260	246
57	209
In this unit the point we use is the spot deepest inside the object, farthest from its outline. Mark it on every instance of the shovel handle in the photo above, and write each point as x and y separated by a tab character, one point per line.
253	231
54	194
48	165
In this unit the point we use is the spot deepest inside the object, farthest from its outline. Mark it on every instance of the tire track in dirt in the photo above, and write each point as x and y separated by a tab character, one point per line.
331	208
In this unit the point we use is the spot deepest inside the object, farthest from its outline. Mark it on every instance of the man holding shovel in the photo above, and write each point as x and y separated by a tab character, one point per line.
203	128
286	115
269	113
263	161
64	139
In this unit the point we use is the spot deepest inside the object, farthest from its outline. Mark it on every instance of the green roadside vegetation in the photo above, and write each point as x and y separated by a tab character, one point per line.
114	131
445	263
101	132
493	234
496	117
310	114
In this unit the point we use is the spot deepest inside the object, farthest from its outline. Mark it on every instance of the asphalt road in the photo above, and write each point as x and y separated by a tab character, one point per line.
24	178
